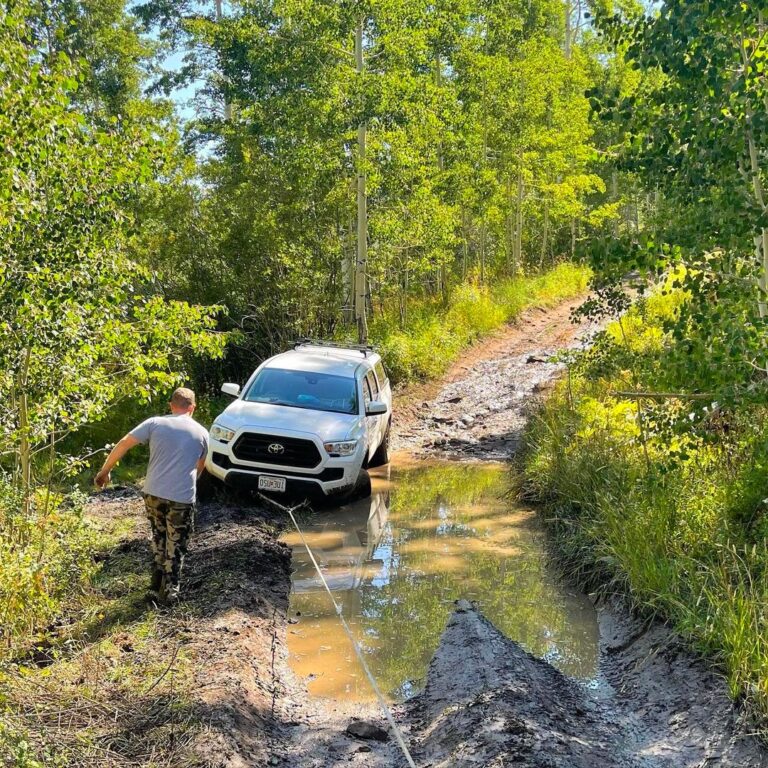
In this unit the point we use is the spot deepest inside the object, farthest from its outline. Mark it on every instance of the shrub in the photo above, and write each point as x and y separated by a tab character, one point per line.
47	556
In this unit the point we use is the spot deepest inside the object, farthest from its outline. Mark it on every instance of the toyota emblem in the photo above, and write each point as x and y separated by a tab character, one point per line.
276	449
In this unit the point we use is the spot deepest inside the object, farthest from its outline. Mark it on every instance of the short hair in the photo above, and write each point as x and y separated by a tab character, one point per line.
183	398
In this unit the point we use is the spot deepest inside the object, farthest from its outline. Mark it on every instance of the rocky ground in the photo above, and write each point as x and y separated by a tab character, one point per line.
486	702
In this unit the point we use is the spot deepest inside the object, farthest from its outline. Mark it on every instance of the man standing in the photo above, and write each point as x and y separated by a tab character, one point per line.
177	449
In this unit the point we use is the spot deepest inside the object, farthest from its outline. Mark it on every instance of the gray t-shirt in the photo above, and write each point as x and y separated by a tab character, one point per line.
176	444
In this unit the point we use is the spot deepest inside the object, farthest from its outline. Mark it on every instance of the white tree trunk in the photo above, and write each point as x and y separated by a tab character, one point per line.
761	238
519	215
361	264
511	256
25	446
227	104
573	238
348	266
443	271
762	254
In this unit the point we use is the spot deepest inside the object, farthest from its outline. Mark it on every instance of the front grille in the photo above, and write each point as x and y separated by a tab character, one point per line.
326	476
296	452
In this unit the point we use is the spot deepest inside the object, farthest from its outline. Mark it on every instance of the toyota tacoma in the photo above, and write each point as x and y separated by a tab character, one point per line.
308	422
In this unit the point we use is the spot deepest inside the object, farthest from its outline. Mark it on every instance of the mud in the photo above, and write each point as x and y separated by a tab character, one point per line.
230	625
502	706
671	706
486	701
236	586
489	703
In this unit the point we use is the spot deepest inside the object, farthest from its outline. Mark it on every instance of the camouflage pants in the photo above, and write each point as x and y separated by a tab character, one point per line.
172	523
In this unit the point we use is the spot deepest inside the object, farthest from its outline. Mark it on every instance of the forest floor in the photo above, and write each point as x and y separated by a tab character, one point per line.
222	691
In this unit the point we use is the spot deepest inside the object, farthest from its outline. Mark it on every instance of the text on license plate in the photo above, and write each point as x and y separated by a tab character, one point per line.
267	483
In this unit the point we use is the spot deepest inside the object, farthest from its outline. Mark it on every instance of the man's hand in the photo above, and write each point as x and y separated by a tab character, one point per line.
102	478
115	455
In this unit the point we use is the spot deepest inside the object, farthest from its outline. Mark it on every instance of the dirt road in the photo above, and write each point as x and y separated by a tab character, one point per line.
486	702
478	411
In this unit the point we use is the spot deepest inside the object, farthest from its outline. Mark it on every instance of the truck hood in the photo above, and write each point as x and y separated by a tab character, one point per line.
266	417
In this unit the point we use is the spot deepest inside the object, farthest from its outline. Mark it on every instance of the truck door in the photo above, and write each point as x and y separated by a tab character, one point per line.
385	389
371	392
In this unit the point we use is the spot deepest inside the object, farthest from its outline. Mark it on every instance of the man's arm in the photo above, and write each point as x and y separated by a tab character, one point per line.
203	454
117	453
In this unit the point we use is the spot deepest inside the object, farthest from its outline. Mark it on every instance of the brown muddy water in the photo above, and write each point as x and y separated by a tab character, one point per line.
429	535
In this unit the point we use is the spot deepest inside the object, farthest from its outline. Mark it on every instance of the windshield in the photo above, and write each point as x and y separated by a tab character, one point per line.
304	389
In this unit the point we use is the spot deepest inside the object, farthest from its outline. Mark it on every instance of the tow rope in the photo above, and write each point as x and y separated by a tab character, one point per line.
384	706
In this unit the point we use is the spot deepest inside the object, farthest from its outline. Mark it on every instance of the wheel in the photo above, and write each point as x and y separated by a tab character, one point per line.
361	489
209	487
363	485
381	456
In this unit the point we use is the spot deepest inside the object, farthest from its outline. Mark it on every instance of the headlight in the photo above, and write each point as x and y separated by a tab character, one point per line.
342	448
223	434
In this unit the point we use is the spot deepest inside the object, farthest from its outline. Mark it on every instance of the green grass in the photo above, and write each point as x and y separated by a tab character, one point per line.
677	522
436	332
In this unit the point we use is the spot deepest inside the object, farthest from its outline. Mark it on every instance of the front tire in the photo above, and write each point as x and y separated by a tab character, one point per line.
381	456
209	487
360	490
363	488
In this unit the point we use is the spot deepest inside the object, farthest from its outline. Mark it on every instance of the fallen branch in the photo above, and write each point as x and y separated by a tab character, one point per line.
165	672
666	395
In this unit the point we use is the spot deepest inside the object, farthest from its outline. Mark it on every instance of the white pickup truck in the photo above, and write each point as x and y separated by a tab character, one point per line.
308	422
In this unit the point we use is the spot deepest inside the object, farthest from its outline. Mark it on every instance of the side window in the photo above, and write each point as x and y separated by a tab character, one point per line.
374	386
366	391
380	373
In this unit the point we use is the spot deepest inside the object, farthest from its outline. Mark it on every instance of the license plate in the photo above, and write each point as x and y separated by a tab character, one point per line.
267	483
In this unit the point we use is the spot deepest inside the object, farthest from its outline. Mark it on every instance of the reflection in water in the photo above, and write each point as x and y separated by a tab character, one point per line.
397	561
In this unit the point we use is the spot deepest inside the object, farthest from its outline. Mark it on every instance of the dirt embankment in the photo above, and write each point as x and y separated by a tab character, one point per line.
219	696
487	702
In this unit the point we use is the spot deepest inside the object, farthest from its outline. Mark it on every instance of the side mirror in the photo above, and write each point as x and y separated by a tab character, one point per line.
375	408
230	389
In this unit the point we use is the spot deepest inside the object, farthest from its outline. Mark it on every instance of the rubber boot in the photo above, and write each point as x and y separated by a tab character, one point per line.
170	594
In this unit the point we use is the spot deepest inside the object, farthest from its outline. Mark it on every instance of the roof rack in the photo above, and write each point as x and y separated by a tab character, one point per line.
363	349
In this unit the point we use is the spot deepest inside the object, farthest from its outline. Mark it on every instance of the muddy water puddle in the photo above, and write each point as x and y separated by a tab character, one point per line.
396	562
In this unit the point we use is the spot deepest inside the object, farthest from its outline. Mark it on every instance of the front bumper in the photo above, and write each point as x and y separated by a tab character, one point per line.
331	477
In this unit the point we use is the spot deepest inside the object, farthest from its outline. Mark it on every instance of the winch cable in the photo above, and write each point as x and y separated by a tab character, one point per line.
384	706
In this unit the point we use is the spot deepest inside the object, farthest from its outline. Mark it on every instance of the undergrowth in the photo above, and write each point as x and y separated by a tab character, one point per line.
104	684
436	332
675	517
46	554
